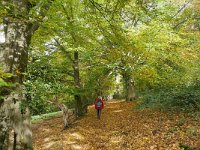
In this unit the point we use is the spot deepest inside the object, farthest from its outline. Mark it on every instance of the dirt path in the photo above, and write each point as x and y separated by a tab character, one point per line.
120	128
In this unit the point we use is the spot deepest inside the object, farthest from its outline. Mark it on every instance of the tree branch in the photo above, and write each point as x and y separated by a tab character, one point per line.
182	8
183	21
64	50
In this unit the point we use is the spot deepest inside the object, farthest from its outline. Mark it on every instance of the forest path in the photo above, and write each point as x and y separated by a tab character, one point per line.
120	128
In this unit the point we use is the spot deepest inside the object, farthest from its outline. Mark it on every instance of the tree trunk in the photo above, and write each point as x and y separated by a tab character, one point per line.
77	96
75	65
129	87
15	57
64	109
3	129
131	90
117	93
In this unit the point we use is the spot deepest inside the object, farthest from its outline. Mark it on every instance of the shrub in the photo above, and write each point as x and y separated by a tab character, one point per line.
184	98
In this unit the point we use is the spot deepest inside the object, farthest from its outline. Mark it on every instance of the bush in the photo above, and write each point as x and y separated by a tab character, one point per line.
187	97
38	94
184	98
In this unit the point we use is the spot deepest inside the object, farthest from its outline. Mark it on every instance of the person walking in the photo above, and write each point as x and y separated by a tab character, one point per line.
99	104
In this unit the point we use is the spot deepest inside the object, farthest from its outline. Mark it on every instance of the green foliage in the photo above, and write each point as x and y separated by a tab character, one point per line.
185	146
37	97
187	97
143	40
37	118
183	98
45	79
5	85
147	41
3	77
39	93
99	83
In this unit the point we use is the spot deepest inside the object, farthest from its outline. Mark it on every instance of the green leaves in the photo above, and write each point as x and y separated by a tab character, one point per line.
143	39
3	78
3	83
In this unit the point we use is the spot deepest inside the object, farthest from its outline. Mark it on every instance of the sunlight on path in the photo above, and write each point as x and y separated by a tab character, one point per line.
120	128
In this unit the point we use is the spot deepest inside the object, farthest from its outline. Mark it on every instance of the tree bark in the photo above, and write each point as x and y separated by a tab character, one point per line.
18	33
131	90
77	96
129	87
15	130
3	129
76	76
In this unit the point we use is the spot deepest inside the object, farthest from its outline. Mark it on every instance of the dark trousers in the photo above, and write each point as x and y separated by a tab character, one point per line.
98	113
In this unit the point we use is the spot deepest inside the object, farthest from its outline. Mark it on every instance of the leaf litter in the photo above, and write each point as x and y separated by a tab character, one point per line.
121	128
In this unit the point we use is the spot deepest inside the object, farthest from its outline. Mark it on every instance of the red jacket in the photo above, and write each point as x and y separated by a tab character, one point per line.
96	105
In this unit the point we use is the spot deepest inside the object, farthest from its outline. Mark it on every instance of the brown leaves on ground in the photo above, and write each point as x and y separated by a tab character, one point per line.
120	128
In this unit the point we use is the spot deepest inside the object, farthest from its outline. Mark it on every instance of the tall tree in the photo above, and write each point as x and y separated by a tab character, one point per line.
15	123
71	36
17	40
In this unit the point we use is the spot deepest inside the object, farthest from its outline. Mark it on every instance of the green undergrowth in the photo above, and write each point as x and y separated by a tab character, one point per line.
38	118
183	98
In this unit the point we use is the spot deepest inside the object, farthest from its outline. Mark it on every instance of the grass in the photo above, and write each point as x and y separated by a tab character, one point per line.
37	118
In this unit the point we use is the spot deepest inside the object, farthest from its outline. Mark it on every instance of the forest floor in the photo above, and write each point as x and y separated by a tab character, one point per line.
120	128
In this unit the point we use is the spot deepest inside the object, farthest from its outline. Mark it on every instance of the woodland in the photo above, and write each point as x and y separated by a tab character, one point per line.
141	56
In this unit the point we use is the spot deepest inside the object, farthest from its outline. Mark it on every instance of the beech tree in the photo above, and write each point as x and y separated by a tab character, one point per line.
19	27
